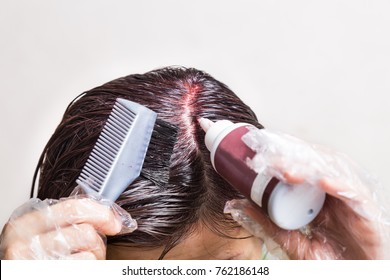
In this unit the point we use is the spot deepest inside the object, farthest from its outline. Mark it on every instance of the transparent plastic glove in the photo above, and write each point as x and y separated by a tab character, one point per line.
69	228
354	222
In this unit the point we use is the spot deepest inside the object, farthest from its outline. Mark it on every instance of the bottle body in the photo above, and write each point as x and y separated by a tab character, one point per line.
290	207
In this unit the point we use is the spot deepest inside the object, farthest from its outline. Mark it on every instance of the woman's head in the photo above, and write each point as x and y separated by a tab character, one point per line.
192	195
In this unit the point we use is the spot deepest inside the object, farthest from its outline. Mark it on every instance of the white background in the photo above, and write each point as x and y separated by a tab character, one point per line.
316	69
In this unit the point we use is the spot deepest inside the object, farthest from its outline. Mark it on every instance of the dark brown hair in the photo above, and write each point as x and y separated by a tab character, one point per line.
166	211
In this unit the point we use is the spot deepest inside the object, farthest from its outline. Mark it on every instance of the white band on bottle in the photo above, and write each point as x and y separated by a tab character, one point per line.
258	187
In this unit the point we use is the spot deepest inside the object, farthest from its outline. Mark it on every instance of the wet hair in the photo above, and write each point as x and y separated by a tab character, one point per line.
167	210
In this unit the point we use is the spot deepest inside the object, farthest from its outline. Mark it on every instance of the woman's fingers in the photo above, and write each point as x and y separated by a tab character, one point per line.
69	212
74	239
72	242
292	179
71	228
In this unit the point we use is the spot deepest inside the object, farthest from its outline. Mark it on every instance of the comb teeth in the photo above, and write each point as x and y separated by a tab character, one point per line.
106	159
107	147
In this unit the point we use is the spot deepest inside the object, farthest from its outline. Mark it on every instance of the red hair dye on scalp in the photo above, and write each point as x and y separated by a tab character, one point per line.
290	207
188	102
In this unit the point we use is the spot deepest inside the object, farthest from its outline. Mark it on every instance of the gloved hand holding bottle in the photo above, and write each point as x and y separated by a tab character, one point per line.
352	222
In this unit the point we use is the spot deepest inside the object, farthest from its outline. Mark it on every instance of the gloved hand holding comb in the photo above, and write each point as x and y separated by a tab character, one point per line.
70	228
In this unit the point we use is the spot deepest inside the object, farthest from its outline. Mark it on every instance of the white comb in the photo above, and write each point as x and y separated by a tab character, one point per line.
118	155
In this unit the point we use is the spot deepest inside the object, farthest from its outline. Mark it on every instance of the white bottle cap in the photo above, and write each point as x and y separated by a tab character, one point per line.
292	207
214	131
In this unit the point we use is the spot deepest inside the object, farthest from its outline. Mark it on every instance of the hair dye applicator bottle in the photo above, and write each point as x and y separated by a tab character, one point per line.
288	206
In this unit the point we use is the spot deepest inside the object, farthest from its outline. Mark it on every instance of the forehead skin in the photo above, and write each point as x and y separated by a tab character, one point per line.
200	245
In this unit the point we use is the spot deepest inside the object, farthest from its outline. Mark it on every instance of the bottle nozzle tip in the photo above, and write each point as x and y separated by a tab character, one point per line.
205	123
